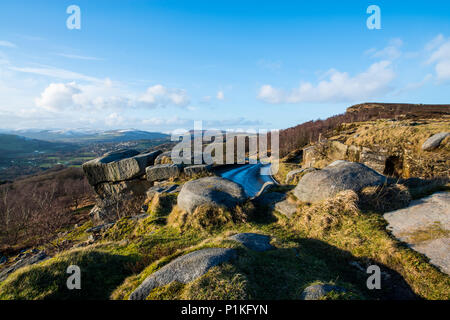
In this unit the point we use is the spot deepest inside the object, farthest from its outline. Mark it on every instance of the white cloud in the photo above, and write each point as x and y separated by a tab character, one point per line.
220	95
114	120
58	96
7	44
160	96
440	57
339	87
106	95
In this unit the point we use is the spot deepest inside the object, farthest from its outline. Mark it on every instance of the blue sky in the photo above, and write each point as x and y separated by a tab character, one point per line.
160	65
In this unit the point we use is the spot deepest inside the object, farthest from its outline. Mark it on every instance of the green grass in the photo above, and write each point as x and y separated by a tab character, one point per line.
316	246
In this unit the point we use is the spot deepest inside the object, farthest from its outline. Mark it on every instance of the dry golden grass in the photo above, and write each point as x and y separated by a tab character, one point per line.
384	198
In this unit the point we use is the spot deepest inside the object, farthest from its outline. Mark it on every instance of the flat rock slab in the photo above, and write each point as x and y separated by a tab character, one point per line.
286	208
434	141
253	241
213	191
341	175
318	291
118	166
421	215
184	269
41	256
163	172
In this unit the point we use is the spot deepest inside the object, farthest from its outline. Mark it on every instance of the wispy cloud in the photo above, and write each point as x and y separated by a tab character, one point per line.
440	57
77	57
55	73
7	44
390	52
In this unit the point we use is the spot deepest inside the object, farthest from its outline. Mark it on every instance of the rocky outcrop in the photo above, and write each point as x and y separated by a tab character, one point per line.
434	141
253	241
118	178
338	176
161	172
319	291
425	226
184	269
25	260
118	166
197	169
212	191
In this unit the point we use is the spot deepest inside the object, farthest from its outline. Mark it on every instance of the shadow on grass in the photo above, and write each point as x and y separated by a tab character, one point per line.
285	273
101	273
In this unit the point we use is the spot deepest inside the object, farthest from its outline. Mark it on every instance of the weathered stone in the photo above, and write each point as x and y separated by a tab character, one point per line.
184	269
309	155
253	241
373	159
338	176
164	158
430	213
112	195
434	141
118	166
318	291
210	191
292	175
22	262
163	172
170	188
286	208
197	169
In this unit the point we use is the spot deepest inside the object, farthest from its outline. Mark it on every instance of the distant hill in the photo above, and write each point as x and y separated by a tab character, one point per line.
14	144
309	132
89	136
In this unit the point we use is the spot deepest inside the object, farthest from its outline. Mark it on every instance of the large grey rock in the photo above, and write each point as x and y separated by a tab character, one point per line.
210	191
286	208
253	241
163	172
318	291
197	169
338	176
184	269
26	261
430	213
434	141
118	166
